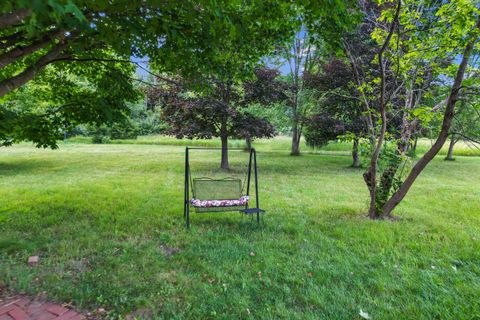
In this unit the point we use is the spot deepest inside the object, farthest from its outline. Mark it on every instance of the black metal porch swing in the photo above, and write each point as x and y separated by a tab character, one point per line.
220	195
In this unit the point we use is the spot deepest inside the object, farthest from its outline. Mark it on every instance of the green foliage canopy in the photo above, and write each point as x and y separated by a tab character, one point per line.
95	40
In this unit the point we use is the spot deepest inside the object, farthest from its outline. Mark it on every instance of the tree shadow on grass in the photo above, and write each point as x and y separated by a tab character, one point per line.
29	166
306	171
226	221
278	222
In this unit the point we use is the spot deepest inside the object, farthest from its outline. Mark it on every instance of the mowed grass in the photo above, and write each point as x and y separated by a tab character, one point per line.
105	220
280	143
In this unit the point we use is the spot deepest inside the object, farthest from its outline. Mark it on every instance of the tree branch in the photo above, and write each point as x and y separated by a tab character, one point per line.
370	176
22	51
13	83
466	137
8	40
168	80
13	18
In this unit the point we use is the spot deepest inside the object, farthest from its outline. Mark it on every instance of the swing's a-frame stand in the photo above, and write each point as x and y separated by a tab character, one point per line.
243	208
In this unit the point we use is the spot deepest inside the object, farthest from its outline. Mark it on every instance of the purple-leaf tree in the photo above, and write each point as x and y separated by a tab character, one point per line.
221	110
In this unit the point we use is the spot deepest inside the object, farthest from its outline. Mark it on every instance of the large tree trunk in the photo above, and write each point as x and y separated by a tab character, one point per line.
295	140
224	138
355	155
248	143
442	137
449	156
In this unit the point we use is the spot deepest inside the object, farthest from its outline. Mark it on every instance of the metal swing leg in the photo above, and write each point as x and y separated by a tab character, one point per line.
186	204
257	210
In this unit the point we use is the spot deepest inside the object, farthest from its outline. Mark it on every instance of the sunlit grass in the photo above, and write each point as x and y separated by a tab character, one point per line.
102	218
280	144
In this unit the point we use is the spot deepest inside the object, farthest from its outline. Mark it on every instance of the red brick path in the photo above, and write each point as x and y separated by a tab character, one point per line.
23	308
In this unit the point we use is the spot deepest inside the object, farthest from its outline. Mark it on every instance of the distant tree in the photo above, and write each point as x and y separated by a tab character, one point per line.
299	55
466	124
320	30
264	90
219	112
322	128
360	51
138	120
339	104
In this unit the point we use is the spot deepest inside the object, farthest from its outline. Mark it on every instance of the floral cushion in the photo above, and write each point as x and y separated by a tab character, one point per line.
220	203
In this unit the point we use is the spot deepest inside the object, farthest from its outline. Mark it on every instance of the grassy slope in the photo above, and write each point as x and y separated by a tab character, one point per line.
100	216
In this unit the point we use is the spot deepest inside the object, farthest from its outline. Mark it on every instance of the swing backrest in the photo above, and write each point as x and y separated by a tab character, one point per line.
216	189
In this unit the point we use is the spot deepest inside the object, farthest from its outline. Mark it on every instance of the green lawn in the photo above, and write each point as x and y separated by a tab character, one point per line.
280	143
104	220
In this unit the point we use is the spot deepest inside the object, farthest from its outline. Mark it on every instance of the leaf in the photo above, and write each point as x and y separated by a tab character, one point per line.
364	314
70	7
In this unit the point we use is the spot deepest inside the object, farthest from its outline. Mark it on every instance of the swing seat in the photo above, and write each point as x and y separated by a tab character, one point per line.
220	203
218	195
